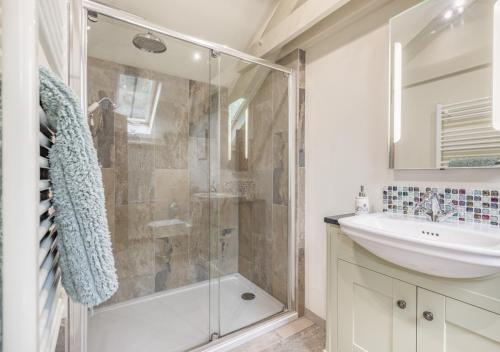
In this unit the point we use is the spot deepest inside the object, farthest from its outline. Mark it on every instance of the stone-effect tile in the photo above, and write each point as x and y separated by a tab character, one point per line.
245	232
280	168
228	251
137	189
261	127
140	157
136	260
146	179
170	131
294	327
134	174
301	281
280	252
103	132
199	241
121	160
172	268
297	60
261	343
311	339
280	102
108	181
300	241
300	204
170	185
131	223
172	164
298	336
263	231
301	69
199	109
301	127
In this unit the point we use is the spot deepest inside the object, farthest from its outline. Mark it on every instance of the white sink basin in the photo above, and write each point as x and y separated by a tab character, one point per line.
440	249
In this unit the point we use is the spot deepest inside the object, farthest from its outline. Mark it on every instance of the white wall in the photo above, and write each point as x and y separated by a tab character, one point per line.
347	94
417	146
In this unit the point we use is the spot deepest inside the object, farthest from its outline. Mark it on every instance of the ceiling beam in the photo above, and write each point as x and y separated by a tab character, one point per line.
297	22
347	23
283	10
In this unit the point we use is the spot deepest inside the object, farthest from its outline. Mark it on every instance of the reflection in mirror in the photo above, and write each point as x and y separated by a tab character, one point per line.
442	86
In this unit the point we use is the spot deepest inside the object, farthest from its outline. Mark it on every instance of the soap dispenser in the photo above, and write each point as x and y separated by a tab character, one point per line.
362	205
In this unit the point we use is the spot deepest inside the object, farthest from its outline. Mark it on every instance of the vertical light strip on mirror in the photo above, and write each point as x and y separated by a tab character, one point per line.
246	133
396	88
229	137
496	67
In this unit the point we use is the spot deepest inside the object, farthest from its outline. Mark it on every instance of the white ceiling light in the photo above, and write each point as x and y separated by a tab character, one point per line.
447	15
459	3
196	56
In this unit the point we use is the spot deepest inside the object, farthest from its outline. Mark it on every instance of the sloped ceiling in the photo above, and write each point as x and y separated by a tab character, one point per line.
232	23
229	22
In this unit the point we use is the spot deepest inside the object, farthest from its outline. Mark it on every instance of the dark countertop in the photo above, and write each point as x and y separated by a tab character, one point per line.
334	219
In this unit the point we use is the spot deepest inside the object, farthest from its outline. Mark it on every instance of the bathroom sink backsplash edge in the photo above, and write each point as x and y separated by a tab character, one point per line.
473	205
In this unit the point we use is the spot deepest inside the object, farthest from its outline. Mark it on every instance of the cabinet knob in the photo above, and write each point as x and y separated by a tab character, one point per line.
401	303
428	316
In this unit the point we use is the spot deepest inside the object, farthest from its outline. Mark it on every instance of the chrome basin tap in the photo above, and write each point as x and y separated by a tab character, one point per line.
431	207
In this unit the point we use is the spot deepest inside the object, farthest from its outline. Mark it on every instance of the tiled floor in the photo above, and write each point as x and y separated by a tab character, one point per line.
302	335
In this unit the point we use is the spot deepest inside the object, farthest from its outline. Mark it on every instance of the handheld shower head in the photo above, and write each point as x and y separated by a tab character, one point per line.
92	107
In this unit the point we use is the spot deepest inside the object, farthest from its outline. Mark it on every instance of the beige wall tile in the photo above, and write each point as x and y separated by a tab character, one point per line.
108	181
131	223
137	259
280	168
171	185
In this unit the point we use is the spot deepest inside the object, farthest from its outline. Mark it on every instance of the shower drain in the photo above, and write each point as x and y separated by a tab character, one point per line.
247	296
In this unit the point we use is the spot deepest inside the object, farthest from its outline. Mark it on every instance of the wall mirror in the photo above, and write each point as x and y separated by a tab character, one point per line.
444	85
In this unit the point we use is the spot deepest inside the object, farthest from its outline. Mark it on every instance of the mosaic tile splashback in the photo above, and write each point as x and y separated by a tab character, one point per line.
474	206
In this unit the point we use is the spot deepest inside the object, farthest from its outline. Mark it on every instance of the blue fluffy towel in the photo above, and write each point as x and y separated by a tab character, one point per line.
480	161
86	258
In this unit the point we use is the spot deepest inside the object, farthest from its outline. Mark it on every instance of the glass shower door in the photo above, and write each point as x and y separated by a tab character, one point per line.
249	192
193	147
151	127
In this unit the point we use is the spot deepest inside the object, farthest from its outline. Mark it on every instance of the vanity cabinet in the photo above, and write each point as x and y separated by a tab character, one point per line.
376	306
370	319
447	325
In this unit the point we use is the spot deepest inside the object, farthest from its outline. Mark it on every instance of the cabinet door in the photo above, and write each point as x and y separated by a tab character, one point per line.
370	319
448	325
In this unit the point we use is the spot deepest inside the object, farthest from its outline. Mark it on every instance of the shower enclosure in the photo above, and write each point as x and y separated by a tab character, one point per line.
194	144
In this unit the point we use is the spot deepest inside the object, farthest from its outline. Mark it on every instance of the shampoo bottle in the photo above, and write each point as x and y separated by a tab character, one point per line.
362	205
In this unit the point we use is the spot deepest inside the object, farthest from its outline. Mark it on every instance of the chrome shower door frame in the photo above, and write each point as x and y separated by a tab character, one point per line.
79	316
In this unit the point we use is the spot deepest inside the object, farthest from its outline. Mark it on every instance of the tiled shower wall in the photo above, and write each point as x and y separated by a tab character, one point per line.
263	241
166	176
263	218
297	61
162	176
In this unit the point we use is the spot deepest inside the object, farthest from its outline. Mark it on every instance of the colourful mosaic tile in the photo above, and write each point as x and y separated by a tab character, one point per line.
474	206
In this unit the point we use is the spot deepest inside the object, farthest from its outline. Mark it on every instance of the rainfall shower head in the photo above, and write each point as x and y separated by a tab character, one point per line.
149	42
